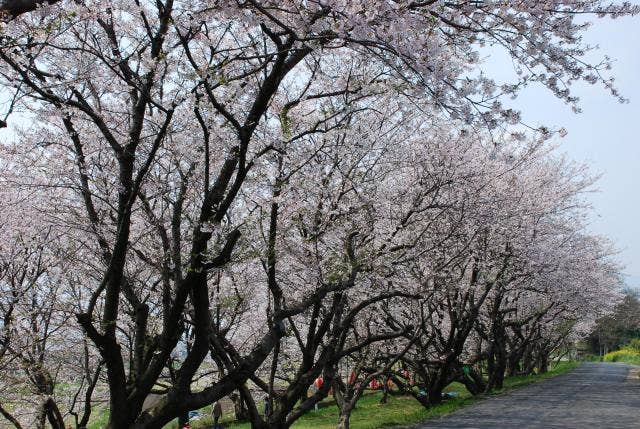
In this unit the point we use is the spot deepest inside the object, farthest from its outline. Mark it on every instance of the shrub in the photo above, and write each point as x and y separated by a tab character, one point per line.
634	345
626	354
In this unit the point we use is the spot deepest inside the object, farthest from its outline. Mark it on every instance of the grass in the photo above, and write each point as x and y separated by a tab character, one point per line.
399	411
99	418
369	414
590	358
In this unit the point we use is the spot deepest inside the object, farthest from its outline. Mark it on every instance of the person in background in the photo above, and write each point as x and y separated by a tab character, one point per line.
216	413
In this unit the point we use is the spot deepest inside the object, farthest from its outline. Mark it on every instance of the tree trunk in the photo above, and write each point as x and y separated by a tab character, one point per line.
497	371
41	416
434	394
343	421
442	378
473	381
543	364
513	364
183	419
528	362
239	408
53	415
385	392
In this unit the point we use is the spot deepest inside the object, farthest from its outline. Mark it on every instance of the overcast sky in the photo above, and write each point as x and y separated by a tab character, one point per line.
604	135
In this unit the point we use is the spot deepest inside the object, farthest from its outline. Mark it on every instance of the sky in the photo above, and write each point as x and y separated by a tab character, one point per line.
604	135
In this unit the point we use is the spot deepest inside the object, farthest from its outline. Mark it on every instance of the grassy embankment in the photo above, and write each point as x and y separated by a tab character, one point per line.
399	411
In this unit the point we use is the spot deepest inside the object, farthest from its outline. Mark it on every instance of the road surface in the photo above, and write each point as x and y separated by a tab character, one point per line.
594	396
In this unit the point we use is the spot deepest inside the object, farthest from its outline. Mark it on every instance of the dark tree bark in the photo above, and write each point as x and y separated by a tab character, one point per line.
10	9
239	407
183	419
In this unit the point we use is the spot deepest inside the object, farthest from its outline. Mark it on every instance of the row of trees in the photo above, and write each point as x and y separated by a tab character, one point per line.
221	196
617	329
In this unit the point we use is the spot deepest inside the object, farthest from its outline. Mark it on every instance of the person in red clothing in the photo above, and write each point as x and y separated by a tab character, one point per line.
352	378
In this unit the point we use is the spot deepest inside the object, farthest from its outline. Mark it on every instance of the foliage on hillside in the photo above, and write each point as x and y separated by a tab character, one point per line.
617	329
628	354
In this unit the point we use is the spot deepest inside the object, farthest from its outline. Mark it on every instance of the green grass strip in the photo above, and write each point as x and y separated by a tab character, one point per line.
397	412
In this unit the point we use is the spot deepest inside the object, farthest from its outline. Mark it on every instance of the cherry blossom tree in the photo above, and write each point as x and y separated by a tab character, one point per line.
44	364
178	129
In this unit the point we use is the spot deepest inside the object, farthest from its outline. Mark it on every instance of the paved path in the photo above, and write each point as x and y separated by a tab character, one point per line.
594	396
